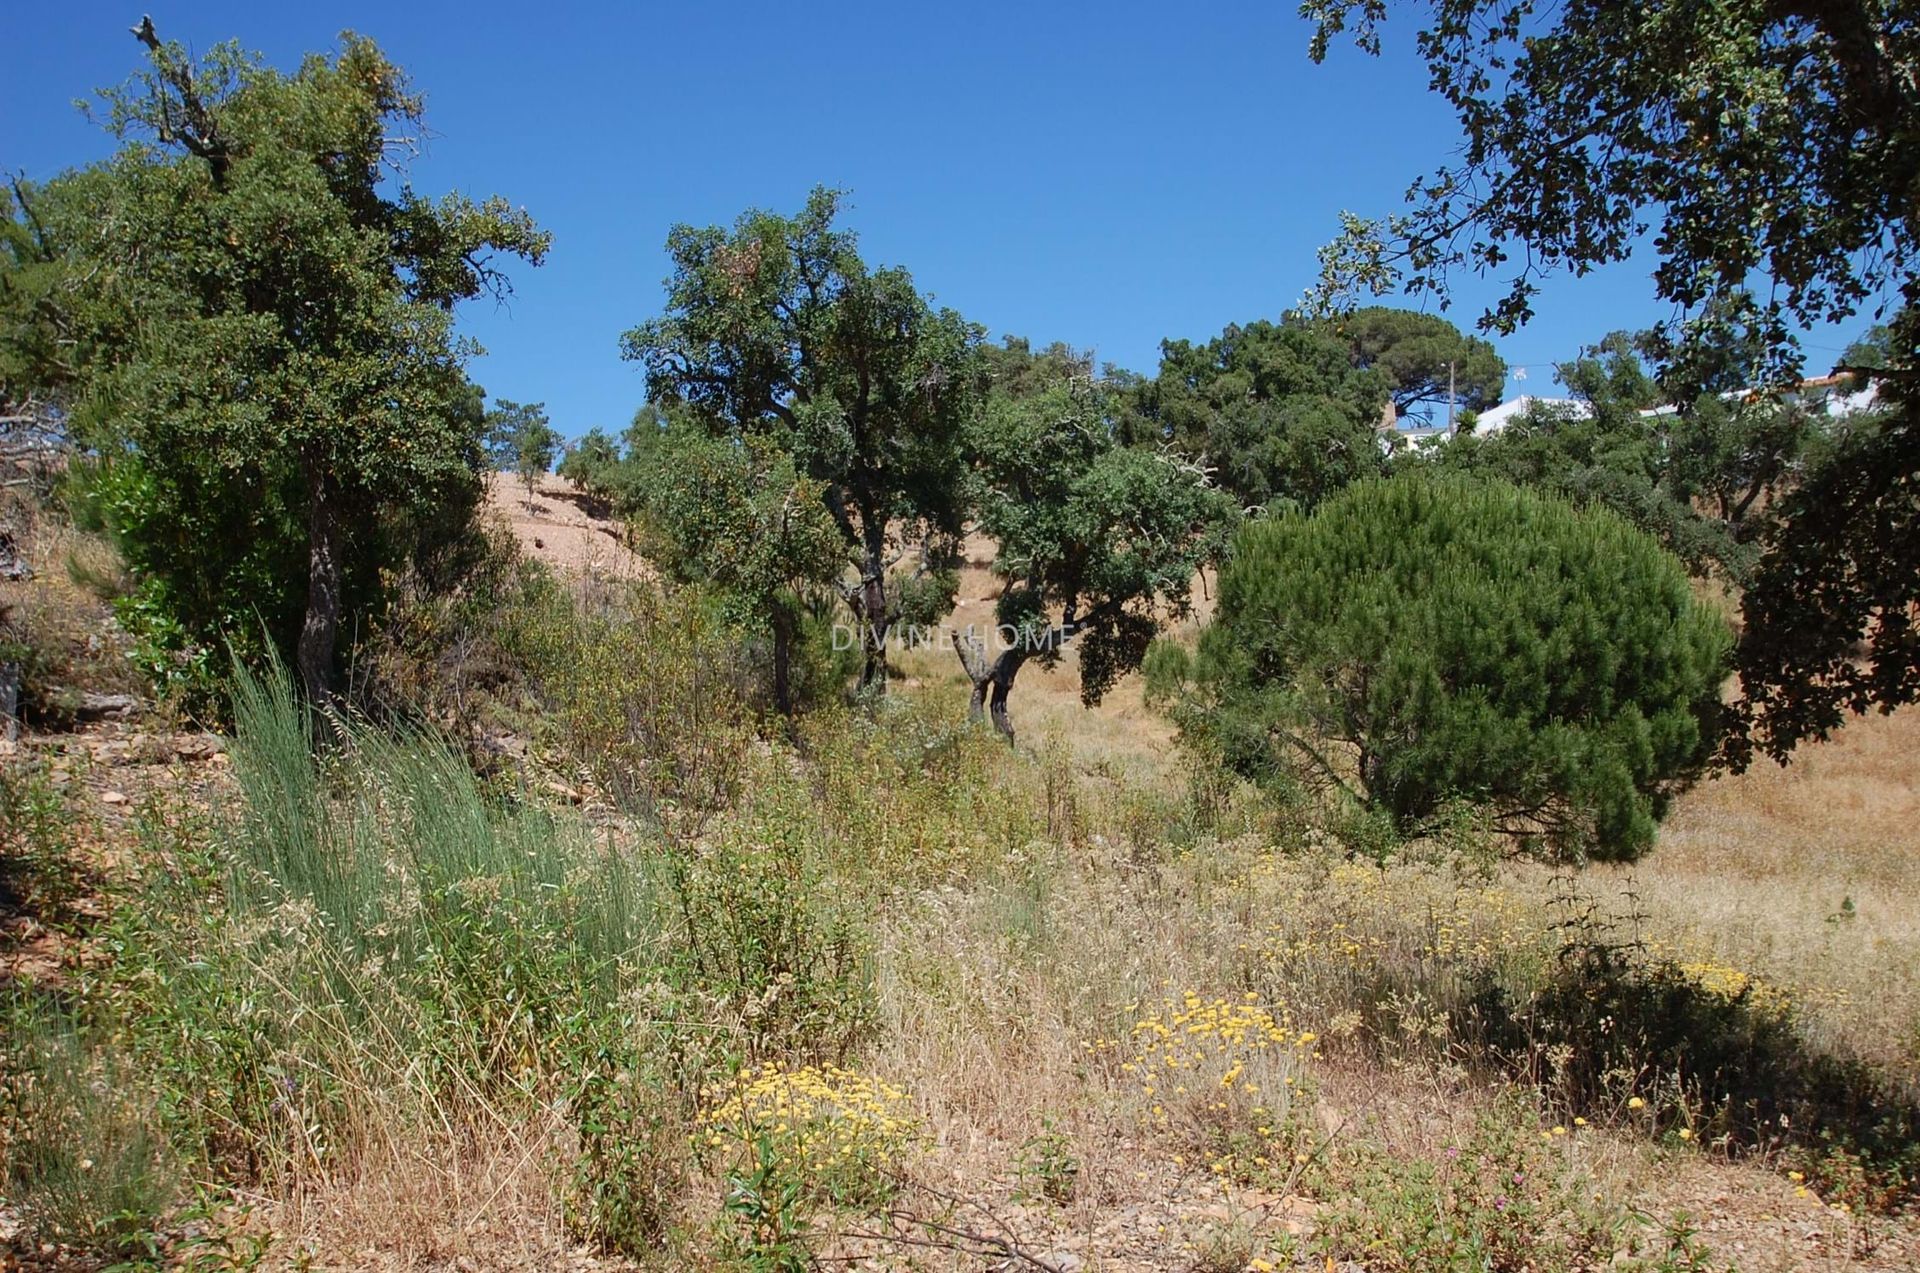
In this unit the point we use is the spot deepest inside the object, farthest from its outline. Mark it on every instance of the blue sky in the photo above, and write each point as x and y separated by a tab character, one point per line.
1109	175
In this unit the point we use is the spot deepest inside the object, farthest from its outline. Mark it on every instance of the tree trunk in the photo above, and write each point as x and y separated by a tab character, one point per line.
997	705
313	658
9	701
873	611
992	681
973	659
782	660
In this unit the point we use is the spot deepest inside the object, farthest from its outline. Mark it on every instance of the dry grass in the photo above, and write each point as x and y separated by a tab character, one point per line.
483	1202
1069	895
1799	877
1804	874
60	614
990	1004
1807	874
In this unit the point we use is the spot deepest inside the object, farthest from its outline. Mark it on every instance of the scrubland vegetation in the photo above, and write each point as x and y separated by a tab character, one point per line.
888	984
379	893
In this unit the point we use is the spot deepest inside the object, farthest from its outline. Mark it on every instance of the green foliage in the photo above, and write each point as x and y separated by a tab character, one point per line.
1048	1166
404	864
389	951
38	834
437	653
1279	411
1736	457
629	1170
766	1205
590	463
735	517
761	935
1588	122
1098	542
644	689
263	351
1422	358
1828	618
1595	128
520	438
777	328
1416	642
1646	468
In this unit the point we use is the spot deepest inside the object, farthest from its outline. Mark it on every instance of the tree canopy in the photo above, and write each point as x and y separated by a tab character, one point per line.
262	348
1423	358
1612	450
777	328
1416	641
1279	411
1594	130
1588	123
1099	542
737	517
522	440
1832	615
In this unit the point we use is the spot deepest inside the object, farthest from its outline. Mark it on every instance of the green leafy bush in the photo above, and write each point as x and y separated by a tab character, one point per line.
761	933
645	689
1415	642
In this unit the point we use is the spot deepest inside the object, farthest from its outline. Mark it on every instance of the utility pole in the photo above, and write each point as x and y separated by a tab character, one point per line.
1449	397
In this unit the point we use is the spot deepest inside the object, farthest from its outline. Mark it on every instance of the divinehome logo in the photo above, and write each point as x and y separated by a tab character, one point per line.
915	636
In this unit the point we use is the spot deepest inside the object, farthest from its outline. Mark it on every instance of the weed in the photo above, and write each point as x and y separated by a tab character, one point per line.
642	690
39	873
1047	1164
760	934
1223	1080
766	1206
838	1134
1499	1198
83	1161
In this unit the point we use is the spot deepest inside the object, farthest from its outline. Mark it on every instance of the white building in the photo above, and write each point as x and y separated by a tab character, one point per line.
1494	419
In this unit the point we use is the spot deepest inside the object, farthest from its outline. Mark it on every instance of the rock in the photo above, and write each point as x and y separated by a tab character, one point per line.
1060	1261
197	746
114	798
510	745
554	787
91	706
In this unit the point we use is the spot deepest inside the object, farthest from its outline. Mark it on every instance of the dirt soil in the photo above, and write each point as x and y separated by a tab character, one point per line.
563	527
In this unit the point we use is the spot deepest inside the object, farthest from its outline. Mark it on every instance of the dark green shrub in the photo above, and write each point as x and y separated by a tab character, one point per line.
1415	642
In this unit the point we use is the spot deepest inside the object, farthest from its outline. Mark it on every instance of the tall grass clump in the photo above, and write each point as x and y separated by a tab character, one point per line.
396	958
490	918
